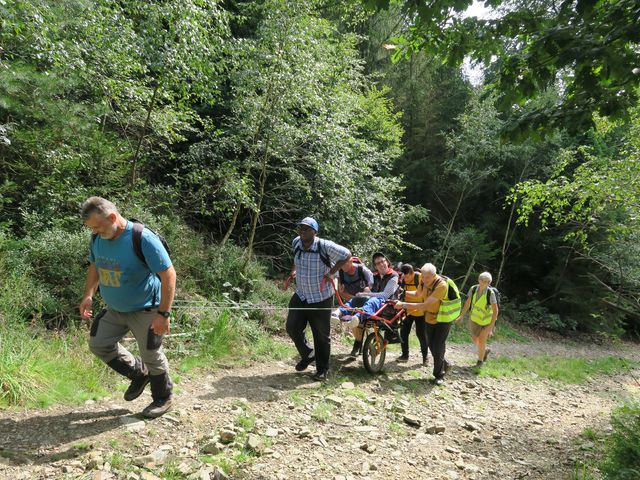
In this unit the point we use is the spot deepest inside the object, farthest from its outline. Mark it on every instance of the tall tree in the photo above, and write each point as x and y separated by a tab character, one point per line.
588	47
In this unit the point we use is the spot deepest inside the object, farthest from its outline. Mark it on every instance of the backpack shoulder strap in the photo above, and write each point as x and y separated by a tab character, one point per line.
489	290
473	293
137	240
323	255
296	247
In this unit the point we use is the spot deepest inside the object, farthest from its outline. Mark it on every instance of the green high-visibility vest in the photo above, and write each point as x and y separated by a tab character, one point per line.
481	313
451	305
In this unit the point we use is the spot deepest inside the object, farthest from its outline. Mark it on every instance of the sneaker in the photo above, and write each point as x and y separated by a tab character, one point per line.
305	362
157	408
402	359
320	376
486	354
438	381
136	387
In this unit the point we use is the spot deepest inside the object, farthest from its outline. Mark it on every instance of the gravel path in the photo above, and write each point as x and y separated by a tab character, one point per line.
266	421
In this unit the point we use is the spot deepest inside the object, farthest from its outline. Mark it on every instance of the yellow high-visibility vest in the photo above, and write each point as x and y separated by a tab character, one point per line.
481	313
451	305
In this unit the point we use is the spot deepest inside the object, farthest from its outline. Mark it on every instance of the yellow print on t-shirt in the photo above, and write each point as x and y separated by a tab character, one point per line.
110	278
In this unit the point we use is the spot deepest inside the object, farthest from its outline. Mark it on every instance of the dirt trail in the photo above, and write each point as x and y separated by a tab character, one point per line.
356	426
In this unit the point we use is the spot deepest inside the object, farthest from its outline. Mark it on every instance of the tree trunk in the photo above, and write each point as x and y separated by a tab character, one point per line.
469	270
450	228
508	234
136	157
236	213
506	243
262	183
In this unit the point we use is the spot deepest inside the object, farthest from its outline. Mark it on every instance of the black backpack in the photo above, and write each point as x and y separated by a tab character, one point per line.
297	250
356	285
136	238
488	293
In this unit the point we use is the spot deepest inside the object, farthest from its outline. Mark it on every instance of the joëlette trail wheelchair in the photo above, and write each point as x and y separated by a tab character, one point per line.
380	330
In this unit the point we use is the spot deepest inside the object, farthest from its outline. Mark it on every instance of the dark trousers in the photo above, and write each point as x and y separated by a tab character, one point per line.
421	333
437	339
320	323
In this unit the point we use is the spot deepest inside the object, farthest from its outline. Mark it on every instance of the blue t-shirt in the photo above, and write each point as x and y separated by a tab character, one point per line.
127	284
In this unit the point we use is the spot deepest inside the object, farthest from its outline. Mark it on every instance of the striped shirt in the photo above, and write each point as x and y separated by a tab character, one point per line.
310	268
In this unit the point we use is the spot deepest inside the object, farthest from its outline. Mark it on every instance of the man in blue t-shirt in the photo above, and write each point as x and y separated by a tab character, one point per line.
137	281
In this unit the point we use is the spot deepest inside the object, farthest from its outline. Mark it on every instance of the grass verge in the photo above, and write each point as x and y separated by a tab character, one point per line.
561	369
43	369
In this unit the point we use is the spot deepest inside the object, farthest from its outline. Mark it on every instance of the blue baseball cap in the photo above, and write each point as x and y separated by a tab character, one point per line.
309	222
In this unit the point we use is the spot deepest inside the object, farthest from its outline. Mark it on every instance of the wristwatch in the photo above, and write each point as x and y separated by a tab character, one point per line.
165	314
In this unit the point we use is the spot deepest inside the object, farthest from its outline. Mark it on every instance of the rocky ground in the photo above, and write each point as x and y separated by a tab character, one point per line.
266	421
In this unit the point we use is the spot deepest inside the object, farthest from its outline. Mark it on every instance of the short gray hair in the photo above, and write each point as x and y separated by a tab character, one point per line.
429	268
485	276
97	205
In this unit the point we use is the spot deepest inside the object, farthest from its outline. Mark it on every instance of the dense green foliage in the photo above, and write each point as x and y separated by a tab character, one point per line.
221	124
589	47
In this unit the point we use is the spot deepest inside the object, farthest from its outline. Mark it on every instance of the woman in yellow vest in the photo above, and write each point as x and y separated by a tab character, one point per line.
439	299
484	311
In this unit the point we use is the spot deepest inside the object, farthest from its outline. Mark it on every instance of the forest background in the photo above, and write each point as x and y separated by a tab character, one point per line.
222	124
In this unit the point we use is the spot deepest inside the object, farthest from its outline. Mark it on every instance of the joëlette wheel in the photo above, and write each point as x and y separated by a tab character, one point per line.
373	353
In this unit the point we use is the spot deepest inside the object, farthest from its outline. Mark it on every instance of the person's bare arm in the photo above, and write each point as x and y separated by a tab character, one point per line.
90	288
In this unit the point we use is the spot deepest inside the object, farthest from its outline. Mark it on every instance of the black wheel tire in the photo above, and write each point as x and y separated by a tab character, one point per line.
373	359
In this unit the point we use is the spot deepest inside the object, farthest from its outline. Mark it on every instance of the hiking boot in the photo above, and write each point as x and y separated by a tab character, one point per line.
136	372
402	358
136	387
158	407
305	362
486	354
320	376
161	388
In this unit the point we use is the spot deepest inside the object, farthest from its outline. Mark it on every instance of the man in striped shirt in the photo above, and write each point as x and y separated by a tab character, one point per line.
316	261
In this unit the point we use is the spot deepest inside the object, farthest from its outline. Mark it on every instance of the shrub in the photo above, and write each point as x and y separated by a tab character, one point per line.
58	262
536	315
622	457
22	298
